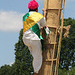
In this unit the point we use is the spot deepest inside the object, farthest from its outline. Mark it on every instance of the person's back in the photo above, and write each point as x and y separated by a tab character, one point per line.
30	33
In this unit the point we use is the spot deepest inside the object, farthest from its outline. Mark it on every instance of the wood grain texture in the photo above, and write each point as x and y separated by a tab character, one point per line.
53	8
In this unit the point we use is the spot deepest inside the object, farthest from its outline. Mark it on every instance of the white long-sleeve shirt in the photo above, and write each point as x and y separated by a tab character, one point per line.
29	34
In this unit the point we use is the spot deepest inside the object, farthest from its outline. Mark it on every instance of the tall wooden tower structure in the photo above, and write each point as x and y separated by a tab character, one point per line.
51	54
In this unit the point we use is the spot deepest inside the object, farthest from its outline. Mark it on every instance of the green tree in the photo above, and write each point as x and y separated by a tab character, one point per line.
72	71
67	72
5	70
67	57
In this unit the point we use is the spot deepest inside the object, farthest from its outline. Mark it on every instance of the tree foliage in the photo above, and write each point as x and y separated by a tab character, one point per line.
67	72
67	57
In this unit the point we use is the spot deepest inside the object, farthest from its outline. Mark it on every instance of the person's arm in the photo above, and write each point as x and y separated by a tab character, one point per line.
43	24
43	20
44	13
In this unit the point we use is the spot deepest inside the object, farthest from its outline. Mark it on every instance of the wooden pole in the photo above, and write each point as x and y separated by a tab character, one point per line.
60	39
53	8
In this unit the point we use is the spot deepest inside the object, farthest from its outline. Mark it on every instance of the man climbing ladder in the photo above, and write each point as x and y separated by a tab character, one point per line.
32	21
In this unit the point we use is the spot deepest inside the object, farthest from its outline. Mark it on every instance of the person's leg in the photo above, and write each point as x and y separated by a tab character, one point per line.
30	48
27	42
36	51
37	56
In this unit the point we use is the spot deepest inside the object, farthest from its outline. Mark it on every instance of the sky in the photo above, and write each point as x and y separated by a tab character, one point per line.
11	13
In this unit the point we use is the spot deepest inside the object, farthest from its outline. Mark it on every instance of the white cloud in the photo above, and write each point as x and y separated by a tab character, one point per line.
10	21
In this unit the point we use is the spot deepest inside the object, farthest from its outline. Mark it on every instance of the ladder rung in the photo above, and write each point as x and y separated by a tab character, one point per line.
51	43
51	26
55	8
50	59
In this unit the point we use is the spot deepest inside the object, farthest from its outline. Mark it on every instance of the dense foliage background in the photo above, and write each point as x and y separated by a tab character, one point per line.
23	58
